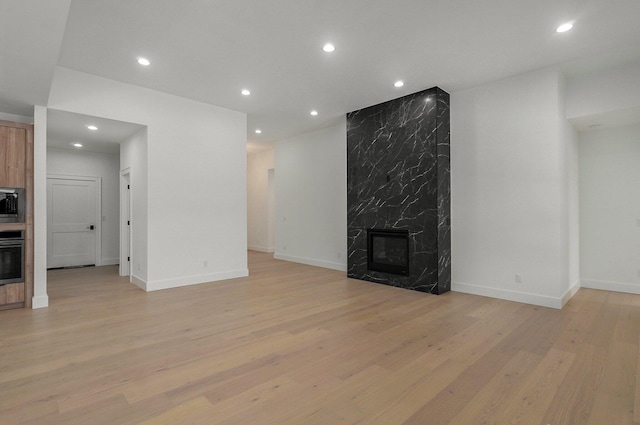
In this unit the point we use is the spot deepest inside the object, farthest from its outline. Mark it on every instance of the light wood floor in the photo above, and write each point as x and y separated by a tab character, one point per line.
295	344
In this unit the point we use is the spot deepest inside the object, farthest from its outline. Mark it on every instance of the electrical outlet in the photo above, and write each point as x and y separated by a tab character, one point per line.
518	278
339	255
205	263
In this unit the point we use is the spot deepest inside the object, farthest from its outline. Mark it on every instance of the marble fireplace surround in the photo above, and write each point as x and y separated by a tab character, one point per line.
398	177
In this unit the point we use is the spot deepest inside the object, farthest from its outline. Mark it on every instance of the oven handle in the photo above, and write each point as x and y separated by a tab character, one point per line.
12	243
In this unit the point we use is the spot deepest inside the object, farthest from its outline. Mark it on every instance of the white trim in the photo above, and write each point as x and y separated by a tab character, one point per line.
308	261
40	297
125	243
628	288
194	280
98	211
110	261
503	294
260	248
570	292
40	302
140	283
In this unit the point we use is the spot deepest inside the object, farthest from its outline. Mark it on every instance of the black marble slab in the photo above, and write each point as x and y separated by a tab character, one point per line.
398	177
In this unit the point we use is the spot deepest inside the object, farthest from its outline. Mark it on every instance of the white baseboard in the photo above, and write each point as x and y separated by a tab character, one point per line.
629	288
40	302
260	248
570	292
194	280
503	294
140	283
109	262
324	264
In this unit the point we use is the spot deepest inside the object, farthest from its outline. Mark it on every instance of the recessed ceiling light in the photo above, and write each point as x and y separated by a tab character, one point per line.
314	113
245	92
144	61
329	47
258	131
92	127
77	145
398	83
564	27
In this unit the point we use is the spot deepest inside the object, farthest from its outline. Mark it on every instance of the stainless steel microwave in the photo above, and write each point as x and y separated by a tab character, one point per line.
12	205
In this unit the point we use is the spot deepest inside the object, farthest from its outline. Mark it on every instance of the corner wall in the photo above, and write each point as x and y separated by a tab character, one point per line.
571	177
610	209
509	185
311	198
133	158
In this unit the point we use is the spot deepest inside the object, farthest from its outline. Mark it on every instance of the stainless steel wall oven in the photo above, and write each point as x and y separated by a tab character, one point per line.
11	256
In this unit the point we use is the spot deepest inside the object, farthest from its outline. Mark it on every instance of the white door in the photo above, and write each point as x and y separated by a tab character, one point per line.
71	222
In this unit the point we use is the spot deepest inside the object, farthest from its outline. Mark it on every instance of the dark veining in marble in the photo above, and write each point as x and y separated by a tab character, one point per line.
398	178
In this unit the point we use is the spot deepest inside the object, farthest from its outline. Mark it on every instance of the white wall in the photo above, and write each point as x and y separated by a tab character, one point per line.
573	207
311	198
571	177
133	158
604	91
16	118
610	209
92	164
196	154
510	190
258	166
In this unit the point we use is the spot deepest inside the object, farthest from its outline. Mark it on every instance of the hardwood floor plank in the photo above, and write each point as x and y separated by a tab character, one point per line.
627	327
414	393
294	344
614	398
578	389
194	412
636	399
528	405
492	397
171	378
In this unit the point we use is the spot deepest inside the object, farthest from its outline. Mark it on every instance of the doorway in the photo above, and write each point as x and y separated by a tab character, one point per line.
73	221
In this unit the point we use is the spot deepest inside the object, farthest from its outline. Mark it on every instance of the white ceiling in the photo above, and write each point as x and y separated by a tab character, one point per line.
66	128
30	37
208	50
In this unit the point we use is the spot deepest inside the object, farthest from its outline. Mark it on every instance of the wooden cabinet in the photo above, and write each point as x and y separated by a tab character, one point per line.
16	170
11	295
13	156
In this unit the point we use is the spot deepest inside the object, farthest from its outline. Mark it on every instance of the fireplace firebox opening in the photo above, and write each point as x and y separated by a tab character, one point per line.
388	251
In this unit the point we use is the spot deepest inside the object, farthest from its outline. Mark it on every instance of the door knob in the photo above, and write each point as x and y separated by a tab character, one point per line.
91	227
